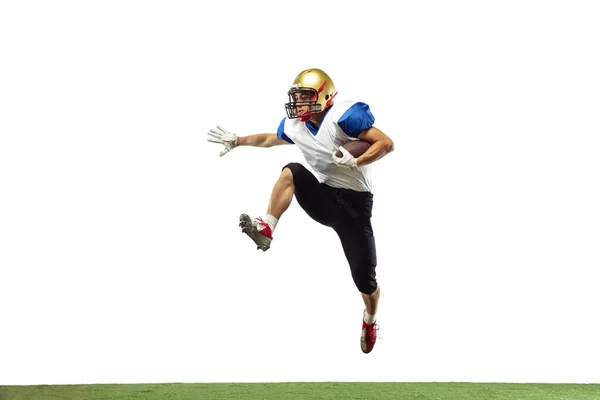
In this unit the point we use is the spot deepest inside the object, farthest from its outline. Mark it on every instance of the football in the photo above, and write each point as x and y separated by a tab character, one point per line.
355	147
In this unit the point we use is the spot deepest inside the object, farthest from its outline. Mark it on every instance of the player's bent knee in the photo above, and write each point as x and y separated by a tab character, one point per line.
367	289
286	177
293	167
365	282
296	170
287	173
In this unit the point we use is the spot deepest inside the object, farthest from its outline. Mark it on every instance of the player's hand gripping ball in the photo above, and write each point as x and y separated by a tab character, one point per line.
355	147
347	154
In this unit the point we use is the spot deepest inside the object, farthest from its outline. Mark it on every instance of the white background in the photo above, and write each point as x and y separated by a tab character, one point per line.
120	255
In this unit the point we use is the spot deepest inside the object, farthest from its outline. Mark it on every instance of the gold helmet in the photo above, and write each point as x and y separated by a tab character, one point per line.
313	88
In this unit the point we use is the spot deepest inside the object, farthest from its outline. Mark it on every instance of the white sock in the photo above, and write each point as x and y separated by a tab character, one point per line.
272	221
369	319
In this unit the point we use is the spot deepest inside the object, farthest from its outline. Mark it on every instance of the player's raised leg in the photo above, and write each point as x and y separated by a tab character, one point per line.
261	230
282	194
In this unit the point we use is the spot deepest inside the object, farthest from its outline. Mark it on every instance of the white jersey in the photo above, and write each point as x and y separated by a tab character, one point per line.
342	123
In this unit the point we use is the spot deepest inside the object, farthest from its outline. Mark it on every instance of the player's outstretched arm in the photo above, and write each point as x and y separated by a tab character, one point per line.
381	145
261	140
230	140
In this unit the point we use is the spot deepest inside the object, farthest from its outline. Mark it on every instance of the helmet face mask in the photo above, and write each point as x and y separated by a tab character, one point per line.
312	92
303	101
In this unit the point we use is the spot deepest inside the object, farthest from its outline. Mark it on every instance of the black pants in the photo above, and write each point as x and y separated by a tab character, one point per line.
348	212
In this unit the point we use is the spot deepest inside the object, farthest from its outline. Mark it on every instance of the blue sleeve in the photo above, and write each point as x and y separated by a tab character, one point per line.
280	133
356	119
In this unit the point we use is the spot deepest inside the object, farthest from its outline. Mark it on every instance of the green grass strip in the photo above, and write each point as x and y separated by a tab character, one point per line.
309	390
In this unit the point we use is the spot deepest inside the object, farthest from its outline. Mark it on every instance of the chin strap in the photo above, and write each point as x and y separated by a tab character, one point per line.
305	117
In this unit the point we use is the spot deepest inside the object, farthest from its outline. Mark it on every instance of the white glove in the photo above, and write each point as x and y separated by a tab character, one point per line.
346	160
224	137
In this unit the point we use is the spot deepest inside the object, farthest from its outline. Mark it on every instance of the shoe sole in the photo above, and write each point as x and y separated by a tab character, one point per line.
249	229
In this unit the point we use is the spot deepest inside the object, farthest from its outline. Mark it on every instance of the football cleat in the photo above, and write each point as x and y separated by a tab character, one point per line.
258	230
368	336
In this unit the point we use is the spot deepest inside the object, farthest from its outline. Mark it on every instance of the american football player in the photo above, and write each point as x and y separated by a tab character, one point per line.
337	193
